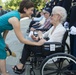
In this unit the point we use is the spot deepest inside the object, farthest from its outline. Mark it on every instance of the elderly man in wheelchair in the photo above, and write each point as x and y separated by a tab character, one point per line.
55	35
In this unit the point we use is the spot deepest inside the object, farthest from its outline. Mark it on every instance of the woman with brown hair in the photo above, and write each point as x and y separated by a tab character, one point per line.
11	21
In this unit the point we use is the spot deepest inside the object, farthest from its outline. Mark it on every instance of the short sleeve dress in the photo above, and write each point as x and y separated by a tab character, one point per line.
5	25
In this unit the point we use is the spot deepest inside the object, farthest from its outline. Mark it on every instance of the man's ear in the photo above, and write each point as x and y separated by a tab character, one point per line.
25	10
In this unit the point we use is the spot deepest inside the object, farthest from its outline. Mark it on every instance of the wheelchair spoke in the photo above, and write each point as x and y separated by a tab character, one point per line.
50	70
55	63
67	68
60	64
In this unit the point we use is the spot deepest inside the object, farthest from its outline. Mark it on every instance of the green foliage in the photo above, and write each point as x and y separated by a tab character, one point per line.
39	4
0	2
14	4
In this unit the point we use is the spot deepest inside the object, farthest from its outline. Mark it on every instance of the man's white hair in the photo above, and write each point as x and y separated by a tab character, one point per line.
61	11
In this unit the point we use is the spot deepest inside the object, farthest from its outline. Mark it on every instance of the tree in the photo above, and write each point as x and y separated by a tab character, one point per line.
39	4
0	2
14	4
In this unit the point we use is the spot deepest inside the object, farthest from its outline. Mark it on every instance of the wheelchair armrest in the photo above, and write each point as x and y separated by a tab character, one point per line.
53	44
48	43
52	47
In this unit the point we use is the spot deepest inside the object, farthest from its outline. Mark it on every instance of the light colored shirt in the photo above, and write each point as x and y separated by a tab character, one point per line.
56	35
42	21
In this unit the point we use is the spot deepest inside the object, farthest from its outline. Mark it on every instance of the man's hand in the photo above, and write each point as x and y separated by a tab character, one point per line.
7	45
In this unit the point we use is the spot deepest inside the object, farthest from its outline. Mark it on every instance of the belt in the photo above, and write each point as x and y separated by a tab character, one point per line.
73	4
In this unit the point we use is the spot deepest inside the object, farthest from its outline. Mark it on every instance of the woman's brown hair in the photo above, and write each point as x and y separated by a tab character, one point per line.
25	4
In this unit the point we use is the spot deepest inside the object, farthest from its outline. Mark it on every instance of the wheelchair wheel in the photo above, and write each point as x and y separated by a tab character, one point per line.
58	64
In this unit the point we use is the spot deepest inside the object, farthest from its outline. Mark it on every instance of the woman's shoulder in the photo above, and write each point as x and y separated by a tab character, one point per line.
61	27
14	14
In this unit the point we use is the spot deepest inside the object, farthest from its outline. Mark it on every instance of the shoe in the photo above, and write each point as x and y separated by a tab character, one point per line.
9	52
18	71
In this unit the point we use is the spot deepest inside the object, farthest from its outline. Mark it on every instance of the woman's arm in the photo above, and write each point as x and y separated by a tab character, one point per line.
16	25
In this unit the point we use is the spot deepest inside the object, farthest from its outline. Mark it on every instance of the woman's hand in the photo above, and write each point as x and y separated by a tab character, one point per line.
7	45
41	42
34	38
40	35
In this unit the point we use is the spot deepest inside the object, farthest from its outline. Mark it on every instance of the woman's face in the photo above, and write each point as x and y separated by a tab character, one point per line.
29	11
55	18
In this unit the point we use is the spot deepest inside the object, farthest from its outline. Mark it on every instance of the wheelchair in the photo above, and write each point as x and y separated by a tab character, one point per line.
51	61
59	63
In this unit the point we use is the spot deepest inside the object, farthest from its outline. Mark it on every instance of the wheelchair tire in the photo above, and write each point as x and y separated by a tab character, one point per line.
58	64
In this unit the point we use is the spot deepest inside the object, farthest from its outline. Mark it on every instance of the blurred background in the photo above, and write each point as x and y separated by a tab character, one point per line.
14	4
